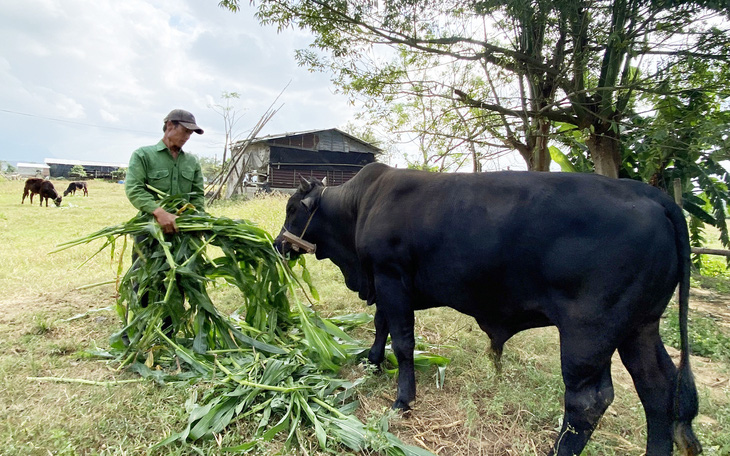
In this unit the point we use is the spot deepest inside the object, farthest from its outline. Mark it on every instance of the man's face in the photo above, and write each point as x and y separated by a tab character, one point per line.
177	136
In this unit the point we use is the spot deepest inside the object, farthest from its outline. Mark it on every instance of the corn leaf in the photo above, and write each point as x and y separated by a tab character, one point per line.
274	360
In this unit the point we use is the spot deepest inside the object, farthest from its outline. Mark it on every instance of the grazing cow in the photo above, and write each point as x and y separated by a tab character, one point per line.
598	258
32	187
73	186
49	192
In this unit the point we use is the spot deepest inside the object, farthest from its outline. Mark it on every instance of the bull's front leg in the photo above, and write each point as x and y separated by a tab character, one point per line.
395	303
377	351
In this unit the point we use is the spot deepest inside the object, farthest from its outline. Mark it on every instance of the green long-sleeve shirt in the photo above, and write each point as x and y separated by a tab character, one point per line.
155	166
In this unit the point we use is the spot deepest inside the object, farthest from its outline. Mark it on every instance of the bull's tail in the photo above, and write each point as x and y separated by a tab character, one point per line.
686	403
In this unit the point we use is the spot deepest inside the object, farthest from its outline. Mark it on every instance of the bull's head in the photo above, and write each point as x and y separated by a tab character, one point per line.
300	211
57	201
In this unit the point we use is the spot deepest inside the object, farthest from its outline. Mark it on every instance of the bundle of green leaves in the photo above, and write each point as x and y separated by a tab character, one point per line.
273	361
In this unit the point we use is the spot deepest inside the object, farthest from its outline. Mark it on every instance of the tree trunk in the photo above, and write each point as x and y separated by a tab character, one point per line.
477	165
540	152
605	152
536	154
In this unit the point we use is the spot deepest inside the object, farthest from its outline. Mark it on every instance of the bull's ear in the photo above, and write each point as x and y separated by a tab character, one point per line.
304	185
310	203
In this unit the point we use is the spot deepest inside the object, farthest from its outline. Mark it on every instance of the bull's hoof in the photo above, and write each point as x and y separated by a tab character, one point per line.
376	363
373	364
374	359
401	405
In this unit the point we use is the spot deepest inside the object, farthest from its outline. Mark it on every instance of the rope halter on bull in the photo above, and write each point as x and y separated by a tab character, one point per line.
297	242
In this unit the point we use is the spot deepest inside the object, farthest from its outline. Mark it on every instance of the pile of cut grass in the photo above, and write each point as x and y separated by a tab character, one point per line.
269	363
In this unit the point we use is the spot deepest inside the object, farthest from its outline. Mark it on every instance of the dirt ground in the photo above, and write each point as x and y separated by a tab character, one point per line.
15	310
714	304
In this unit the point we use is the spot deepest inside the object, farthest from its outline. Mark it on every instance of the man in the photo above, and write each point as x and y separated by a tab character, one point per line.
166	167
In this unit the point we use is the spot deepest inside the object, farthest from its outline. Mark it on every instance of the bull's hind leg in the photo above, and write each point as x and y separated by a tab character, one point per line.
377	351
395	304
588	391
654	376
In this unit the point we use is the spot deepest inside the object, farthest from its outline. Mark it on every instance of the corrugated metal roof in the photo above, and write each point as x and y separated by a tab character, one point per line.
306	132
31	165
62	161
291	133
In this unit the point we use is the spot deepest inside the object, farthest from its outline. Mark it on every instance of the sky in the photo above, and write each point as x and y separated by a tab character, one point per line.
92	80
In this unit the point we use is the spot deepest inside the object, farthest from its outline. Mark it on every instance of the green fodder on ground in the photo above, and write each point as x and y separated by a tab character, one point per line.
48	324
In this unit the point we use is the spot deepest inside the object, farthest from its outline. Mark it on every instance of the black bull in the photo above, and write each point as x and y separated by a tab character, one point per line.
598	258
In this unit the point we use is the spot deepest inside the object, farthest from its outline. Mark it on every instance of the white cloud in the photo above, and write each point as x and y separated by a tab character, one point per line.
93	80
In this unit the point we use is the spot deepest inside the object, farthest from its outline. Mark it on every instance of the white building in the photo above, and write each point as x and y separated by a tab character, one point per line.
33	170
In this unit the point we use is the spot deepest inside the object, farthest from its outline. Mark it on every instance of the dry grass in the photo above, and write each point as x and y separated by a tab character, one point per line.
476	413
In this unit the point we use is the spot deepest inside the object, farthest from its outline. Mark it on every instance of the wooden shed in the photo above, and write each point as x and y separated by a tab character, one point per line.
277	161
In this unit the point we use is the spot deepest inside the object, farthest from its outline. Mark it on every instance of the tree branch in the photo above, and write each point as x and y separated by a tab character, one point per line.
524	115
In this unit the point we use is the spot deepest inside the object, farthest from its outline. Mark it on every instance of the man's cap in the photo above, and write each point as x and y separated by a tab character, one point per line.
185	118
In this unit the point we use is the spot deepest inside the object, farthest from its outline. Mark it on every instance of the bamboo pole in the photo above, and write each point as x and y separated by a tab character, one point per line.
227	170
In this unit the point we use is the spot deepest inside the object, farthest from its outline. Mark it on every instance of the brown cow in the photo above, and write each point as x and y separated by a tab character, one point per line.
48	191
44	188
32	187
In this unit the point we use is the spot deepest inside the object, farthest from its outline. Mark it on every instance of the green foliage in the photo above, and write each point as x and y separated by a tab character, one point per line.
510	87
707	338
714	273
77	172
686	138
266	363
6	167
716	268
576	158
211	167
562	159
424	167
119	174
41	325
172	272
696	227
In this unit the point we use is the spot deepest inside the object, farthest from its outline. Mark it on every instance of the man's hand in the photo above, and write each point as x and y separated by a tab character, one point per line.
165	220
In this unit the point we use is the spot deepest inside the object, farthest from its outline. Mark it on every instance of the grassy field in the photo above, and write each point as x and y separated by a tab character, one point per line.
49	318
